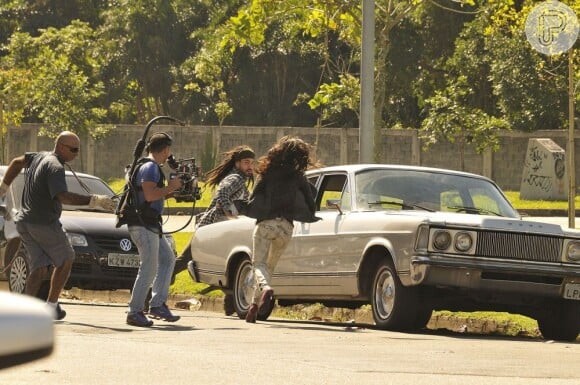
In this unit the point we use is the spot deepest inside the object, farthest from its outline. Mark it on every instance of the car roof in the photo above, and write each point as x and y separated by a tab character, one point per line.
3	169
354	168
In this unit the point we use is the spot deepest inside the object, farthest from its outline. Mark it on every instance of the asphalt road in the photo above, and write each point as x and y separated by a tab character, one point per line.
95	346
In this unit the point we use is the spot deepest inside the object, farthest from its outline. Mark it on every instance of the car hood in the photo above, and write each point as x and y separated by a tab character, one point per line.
90	222
487	222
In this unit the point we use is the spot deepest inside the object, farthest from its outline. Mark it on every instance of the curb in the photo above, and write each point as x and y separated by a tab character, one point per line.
315	312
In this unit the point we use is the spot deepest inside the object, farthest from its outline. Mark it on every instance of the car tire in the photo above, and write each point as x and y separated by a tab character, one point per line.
229	305
243	287
394	306
562	323
422	318
18	272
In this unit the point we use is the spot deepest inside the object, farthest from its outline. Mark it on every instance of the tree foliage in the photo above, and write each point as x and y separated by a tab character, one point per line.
52	78
455	69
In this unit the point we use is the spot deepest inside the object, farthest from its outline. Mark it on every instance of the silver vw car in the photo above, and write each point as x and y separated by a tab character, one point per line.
408	240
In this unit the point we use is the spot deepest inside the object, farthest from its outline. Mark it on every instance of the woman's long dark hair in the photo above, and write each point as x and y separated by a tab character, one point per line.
290	153
218	173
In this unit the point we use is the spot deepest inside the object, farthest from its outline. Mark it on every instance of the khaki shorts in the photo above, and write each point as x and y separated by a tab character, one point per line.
46	245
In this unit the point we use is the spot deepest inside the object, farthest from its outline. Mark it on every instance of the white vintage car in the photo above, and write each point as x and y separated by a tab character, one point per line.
408	240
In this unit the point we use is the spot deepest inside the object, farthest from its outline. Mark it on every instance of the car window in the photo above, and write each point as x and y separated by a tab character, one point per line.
433	191
331	187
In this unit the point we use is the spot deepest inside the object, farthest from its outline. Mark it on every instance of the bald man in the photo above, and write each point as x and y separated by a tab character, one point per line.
38	221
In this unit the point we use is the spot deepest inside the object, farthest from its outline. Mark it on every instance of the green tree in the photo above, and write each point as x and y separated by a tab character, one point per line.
450	118
51	78
143	43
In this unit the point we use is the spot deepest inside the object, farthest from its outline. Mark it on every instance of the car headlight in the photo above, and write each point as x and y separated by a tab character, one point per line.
573	251
77	239
441	240
463	241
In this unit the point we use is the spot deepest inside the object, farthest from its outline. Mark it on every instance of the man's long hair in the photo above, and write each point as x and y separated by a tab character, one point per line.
218	173
290	153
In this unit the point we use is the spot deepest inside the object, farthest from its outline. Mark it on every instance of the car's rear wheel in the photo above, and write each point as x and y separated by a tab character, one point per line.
243	287
562	323
244	290
394	305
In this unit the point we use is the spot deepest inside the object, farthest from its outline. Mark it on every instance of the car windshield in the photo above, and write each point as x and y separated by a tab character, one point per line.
395	189
94	185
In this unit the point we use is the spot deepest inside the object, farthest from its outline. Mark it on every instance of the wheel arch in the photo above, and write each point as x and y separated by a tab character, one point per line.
371	258
10	251
232	264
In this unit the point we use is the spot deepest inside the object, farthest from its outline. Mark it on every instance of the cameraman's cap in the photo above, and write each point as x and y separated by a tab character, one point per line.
159	139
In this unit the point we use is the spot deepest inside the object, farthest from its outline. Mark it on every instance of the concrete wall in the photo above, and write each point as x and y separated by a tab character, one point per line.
107	157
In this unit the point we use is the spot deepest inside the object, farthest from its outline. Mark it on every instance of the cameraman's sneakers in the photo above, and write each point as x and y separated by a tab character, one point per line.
162	312
139	319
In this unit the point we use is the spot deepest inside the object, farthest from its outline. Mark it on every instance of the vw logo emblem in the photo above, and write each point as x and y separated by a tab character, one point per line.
125	244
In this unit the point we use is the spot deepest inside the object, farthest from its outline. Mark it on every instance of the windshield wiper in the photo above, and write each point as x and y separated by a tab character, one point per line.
473	210
404	206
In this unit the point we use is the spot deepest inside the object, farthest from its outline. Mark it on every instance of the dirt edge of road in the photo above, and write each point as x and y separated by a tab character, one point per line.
361	316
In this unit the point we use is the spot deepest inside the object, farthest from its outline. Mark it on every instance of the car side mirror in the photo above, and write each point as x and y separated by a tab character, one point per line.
334	204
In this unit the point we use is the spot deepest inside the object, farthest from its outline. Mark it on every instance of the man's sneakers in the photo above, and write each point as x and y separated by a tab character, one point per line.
162	312
57	312
266	299
60	314
139	319
252	314
267	296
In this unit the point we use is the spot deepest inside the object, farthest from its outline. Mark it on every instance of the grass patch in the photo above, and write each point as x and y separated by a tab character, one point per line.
117	186
514	198
183	283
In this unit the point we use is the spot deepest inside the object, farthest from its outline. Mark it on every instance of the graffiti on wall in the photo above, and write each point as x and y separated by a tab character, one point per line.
544	168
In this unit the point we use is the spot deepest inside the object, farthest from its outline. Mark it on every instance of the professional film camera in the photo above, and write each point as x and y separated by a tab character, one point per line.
187	171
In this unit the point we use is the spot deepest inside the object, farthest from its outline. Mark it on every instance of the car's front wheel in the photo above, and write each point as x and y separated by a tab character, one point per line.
244	290
562	323
394	305
18	273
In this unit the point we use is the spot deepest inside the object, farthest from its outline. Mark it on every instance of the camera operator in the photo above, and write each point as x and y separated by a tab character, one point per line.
157	257
231	177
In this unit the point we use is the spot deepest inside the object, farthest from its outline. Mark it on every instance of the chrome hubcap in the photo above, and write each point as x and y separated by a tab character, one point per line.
18	275
385	294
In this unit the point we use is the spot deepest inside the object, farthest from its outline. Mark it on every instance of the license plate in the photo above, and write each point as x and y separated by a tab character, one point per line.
572	291
123	260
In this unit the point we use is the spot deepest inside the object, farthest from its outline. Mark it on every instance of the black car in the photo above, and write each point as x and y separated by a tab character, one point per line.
106	258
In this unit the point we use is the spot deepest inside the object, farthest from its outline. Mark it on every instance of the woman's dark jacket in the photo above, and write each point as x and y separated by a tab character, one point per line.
283	193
